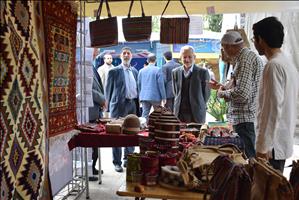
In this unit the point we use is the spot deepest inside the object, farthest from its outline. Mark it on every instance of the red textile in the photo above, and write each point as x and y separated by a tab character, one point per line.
102	139
60	23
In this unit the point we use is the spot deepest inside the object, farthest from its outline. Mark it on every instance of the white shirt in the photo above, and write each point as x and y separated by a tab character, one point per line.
276	119
187	73
103	72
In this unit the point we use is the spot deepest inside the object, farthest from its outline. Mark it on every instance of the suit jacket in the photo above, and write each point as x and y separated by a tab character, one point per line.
151	84
116	91
199	92
97	95
167	70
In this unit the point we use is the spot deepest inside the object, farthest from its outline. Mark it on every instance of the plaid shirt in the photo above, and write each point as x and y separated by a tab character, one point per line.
242	97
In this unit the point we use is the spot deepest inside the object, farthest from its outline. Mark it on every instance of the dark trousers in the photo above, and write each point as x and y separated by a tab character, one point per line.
277	164
130	108
95	150
95	156
169	103
246	132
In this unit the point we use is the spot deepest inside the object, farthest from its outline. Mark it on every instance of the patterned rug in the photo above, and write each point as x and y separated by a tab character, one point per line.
23	147
60	24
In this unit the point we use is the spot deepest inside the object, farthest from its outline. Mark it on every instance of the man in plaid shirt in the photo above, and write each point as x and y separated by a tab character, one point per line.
241	92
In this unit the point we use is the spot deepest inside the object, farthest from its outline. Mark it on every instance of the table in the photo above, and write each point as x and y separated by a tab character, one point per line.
103	139
158	192
99	138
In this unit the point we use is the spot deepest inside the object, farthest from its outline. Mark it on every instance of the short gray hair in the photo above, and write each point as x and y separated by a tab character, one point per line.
187	48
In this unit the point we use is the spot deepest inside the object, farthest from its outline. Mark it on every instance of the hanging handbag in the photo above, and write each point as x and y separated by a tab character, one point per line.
174	30
103	32
137	28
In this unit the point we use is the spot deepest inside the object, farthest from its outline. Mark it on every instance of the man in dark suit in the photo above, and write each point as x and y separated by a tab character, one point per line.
167	70
121	97
95	112
191	88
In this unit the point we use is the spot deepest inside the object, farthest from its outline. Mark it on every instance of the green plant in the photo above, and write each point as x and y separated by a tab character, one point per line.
214	22
217	107
156	24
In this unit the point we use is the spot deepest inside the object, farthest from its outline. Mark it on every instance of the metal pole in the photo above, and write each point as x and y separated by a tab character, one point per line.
100	165
85	149
86	173
81	91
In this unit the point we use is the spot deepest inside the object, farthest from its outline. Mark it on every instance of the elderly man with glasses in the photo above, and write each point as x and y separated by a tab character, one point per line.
241	91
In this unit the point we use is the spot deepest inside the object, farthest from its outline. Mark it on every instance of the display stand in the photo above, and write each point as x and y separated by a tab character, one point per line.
79	182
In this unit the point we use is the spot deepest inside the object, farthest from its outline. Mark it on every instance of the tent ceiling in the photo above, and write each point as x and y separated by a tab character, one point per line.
121	7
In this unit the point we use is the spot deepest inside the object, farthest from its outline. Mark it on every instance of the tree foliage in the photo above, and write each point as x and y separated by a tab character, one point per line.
156	24
215	22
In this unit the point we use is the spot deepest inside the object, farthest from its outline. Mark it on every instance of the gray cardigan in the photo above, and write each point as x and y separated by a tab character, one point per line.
199	92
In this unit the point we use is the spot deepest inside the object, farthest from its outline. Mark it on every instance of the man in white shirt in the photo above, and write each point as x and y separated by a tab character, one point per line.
278	93
103	72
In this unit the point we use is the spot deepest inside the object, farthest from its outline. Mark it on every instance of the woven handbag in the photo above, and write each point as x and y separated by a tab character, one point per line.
196	160
174	30
294	178
230	180
137	28
103	32
210	140
269	183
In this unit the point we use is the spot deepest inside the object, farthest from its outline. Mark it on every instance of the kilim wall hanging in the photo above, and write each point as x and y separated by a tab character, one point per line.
60	22
23	104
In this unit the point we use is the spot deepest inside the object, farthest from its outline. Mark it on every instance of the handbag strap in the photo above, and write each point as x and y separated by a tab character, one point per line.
182	5
131	5
100	9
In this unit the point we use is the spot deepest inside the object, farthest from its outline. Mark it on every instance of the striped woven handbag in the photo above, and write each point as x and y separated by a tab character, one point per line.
137	28
174	30
103	32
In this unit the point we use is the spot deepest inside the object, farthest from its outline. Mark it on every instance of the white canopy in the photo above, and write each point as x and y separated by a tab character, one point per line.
121	7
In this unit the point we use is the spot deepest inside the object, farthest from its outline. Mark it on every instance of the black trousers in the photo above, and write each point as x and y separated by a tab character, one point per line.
277	164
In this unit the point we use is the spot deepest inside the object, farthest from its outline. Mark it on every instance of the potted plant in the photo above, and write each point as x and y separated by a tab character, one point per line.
217	107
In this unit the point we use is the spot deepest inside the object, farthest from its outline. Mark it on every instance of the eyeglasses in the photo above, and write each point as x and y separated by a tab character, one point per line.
252	39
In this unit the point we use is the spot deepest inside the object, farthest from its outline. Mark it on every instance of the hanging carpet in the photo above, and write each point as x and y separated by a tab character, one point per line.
60	22
23	147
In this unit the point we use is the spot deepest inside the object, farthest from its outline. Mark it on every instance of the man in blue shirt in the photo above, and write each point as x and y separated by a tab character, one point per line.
151	86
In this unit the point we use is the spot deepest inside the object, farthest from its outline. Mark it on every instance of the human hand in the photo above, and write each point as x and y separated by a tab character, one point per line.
262	155
214	84
163	102
104	106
